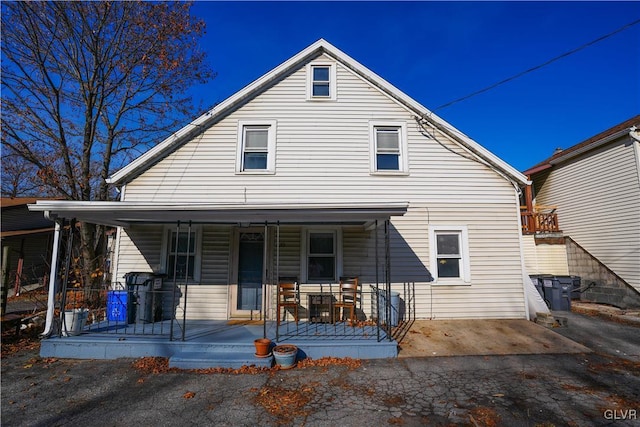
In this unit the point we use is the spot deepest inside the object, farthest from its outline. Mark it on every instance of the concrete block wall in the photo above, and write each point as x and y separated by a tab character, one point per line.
607	287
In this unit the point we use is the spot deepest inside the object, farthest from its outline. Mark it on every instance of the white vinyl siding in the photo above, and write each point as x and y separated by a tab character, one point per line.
598	205
140	250
324	156
544	258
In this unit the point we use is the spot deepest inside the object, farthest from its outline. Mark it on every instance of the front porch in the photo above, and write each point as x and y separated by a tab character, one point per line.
219	343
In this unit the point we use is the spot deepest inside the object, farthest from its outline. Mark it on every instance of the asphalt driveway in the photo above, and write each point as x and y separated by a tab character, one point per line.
600	387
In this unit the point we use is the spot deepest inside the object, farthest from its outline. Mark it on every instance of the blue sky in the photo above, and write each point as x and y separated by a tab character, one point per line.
437	52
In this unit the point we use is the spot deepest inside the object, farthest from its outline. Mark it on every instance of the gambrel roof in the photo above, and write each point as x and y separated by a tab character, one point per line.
321	47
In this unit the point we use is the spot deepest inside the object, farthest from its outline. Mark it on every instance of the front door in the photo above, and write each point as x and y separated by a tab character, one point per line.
248	294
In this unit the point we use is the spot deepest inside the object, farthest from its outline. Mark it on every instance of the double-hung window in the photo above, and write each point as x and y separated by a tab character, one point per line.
449	254
321	81
182	254
388	147
256	146
322	256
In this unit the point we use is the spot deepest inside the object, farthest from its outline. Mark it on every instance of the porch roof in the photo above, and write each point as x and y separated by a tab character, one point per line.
125	214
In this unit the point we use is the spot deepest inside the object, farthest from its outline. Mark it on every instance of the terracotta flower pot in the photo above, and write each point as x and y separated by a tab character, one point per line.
263	346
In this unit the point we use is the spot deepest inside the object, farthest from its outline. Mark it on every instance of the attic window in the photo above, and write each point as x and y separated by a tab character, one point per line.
320	85
321	81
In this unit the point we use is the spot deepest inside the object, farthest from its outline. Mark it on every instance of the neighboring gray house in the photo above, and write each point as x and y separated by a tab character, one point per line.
26	244
594	189
298	174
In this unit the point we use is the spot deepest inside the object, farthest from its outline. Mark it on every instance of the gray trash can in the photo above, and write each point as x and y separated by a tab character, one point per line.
561	289
394	318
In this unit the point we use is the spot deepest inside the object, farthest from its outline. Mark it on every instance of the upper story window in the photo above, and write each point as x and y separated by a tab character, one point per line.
388	147
449	254
321	81
256	146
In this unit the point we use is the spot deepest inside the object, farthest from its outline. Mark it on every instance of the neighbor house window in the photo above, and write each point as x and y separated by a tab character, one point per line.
321	81
182	254
388	147
449	254
256	146
322	256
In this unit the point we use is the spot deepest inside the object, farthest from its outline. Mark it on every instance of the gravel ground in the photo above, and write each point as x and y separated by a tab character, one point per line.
599	388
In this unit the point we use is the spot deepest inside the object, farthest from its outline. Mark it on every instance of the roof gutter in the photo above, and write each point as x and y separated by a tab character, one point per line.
594	145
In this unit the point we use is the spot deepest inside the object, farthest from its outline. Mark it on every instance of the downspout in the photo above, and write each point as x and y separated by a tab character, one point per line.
51	302
634	133
523	267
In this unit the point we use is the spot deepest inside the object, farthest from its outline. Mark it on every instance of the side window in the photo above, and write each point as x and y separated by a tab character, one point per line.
387	148
182	254
322	255
388	145
449	254
321	81
256	146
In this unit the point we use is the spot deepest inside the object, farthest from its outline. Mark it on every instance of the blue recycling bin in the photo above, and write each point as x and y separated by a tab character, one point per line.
117	307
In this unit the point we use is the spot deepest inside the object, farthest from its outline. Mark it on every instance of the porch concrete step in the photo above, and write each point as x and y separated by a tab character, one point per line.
218	359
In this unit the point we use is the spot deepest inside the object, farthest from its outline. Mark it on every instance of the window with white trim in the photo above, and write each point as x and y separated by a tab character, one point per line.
322	255
182	254
388	147
256	146
449	254
321	81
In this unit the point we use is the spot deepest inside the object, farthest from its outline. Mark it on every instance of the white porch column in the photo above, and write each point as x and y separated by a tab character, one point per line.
52	279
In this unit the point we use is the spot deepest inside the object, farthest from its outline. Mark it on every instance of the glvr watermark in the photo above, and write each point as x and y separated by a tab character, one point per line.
620	414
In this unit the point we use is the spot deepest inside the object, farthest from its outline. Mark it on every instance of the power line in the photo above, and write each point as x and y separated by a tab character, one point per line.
537	67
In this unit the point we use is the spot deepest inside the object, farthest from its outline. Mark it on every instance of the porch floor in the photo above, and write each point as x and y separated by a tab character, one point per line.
218	343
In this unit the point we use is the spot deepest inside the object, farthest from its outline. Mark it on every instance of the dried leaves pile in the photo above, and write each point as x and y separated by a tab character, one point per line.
284	404
27	340
160	365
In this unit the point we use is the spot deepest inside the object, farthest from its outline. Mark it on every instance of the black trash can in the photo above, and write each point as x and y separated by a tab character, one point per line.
146	298
577	285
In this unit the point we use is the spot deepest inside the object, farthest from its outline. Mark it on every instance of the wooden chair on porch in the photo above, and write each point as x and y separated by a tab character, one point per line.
288	297
347	297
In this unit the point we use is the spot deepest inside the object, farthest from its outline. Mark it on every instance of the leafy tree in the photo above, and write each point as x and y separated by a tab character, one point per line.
88	85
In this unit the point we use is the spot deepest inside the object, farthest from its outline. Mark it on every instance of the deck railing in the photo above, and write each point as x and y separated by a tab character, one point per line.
541	219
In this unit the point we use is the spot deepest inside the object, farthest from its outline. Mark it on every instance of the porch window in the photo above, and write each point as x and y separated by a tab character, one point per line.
388	147
321	81
321	256
182	254
449	254
256	146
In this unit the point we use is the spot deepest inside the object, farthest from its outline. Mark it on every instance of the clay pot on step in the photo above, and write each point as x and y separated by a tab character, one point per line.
263	347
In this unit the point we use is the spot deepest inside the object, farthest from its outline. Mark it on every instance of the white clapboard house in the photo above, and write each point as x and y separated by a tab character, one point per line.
319	169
